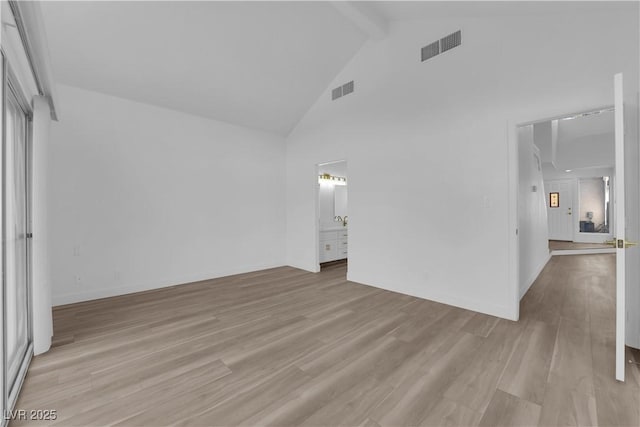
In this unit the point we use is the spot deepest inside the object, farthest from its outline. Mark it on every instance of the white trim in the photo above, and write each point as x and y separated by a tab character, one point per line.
455	301
513	238
73	297
316	234
304	264
583	251
619	212
559	115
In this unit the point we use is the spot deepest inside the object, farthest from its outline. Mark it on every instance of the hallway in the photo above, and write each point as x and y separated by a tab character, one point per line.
572	306
287	347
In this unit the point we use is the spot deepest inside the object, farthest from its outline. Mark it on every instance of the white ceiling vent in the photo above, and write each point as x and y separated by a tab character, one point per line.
440	46
343	90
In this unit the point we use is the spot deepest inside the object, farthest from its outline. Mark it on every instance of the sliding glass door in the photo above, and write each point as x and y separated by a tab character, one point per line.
16	246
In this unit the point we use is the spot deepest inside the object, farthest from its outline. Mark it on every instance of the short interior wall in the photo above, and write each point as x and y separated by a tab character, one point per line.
143	197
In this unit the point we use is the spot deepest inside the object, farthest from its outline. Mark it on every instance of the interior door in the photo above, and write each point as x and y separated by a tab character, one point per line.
559	194
619	212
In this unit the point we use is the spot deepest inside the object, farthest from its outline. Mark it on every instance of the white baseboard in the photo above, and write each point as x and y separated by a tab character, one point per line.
303	265
468	304
92	294
534	276
584	251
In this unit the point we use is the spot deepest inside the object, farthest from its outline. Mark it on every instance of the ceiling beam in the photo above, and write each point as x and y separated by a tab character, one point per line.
363	17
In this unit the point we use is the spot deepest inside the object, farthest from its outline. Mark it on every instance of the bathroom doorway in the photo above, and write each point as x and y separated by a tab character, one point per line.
333	215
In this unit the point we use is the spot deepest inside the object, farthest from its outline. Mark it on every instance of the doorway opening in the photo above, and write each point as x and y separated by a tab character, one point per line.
333	215
579	159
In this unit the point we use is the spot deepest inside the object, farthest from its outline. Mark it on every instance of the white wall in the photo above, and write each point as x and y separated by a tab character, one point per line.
428	146
532	211
41	273
585	152
142	197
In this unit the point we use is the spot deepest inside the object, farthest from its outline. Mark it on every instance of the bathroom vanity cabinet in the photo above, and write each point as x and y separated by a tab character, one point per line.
333	244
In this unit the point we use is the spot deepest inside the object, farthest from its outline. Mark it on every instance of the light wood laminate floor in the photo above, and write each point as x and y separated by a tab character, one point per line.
285	347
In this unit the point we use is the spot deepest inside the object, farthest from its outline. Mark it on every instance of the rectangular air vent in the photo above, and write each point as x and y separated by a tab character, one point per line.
343	90
430	51
336	93
451	41
440	46
347	88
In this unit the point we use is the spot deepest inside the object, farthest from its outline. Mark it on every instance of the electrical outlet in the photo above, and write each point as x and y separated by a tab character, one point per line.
76	251
117	276
78	279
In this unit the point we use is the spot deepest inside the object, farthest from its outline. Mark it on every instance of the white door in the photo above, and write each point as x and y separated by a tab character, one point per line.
619	226
559	194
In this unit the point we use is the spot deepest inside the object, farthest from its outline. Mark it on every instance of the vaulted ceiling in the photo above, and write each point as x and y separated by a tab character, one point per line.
255	64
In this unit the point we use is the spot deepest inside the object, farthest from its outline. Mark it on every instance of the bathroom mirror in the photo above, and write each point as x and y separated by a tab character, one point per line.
340	201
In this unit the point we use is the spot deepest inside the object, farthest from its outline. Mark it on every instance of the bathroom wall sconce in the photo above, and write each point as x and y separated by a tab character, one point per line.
331	179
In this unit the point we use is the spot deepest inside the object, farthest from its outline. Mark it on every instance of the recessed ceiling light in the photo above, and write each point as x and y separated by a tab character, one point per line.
567	170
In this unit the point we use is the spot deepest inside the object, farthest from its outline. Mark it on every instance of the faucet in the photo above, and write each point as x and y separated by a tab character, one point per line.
338	218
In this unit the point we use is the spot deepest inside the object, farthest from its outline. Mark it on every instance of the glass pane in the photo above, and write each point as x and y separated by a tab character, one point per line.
595	205
15	238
